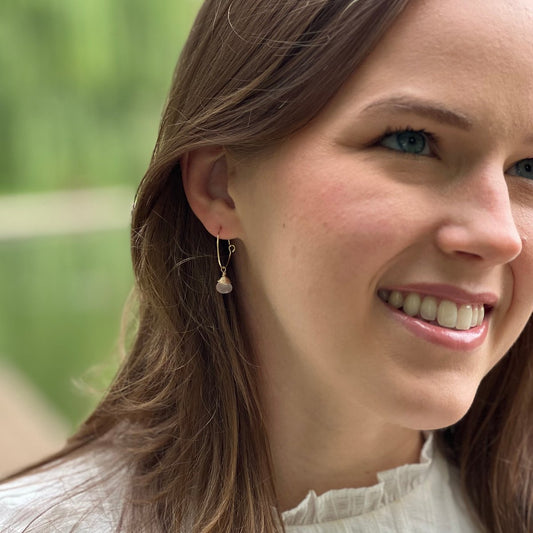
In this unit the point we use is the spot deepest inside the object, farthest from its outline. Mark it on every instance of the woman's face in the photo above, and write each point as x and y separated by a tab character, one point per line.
416	179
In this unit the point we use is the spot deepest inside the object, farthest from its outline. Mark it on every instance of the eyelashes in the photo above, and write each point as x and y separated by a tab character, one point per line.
412	142
409	141
523	168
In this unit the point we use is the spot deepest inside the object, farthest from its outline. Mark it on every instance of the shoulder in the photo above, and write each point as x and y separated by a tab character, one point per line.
84	494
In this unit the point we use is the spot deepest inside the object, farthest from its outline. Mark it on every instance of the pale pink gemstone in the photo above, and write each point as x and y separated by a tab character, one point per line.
224	285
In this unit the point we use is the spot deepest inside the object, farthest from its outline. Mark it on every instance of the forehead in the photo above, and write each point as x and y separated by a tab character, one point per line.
475	55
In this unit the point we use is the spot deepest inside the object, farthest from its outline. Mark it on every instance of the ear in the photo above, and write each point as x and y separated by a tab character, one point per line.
205	173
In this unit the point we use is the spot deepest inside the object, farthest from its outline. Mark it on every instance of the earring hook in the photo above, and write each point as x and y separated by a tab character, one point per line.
224	285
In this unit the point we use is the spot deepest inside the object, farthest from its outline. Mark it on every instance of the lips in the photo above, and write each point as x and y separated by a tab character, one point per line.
459	304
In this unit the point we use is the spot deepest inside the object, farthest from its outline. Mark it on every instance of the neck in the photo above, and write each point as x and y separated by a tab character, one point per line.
317	445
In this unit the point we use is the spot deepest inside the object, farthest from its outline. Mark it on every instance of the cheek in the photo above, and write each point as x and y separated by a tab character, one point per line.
522	266
331	235
346	224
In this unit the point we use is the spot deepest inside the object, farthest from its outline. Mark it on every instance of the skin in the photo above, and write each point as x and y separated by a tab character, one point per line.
332	216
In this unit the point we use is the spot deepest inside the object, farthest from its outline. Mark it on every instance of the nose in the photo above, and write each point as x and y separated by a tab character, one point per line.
479	220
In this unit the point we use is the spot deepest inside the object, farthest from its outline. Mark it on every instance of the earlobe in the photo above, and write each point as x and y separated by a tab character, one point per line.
205	174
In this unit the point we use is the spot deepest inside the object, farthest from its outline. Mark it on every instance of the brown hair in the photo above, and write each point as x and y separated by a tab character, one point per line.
185	399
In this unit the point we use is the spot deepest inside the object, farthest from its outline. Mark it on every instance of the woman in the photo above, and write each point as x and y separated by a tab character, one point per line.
356	178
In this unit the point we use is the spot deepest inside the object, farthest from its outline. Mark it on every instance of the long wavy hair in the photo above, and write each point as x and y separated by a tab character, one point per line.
185	398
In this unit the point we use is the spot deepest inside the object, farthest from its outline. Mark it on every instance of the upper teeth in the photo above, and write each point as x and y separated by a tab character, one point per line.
447	314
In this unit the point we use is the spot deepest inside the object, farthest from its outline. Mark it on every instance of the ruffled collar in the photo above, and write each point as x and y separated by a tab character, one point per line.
392	485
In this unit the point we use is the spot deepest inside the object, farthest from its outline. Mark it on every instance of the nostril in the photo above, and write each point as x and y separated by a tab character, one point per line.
490	242
469	255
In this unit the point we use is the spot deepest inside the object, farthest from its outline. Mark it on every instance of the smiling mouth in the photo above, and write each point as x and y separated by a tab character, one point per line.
439	312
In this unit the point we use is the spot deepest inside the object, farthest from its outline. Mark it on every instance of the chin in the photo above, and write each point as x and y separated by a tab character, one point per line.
437	411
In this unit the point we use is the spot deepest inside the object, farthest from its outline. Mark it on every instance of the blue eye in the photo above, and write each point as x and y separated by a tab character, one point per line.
407	141
523	168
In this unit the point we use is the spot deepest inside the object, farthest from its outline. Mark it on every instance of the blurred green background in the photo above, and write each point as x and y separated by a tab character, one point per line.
82	88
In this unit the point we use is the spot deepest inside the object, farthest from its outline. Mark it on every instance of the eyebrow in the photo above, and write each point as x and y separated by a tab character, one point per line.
424	108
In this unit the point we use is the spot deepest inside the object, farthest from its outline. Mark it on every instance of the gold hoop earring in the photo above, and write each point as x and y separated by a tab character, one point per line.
224	285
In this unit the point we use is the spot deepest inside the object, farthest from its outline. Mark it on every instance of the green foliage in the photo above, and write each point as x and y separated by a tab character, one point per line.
83	85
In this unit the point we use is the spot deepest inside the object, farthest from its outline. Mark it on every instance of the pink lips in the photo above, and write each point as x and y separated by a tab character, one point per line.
449	338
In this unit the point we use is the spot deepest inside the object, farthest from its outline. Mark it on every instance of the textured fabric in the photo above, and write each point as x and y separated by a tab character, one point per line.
417	498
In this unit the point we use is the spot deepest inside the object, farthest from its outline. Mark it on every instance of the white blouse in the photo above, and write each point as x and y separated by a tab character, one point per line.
415	498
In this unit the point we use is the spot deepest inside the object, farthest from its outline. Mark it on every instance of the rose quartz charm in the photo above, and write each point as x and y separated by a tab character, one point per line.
224	285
